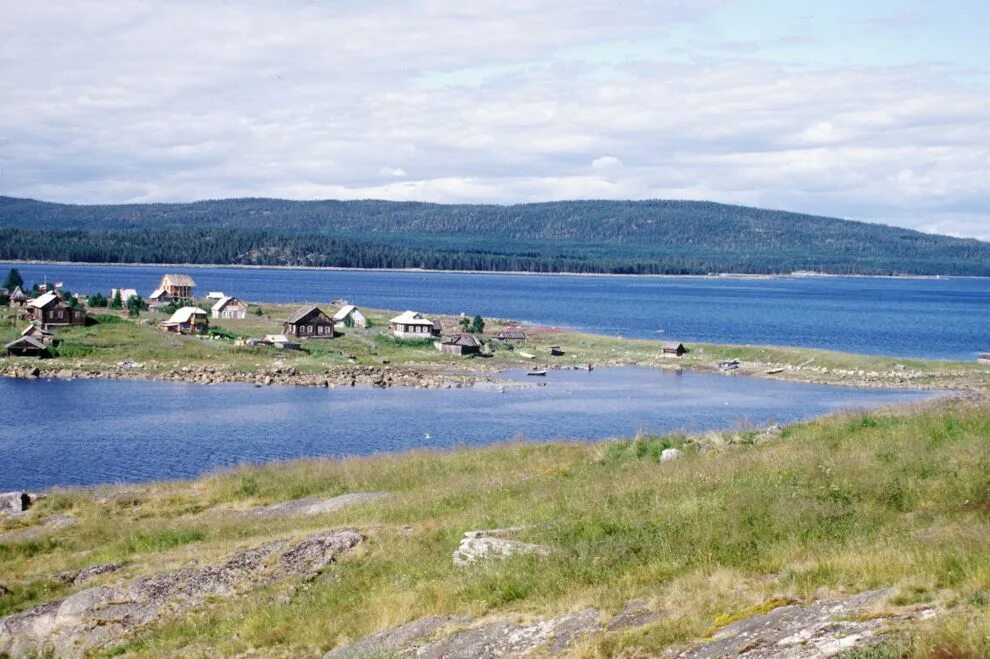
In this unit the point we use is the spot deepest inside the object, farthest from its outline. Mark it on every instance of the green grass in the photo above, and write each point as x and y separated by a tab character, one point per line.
842	504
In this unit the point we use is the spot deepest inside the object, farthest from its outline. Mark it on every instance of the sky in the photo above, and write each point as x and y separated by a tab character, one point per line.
872	110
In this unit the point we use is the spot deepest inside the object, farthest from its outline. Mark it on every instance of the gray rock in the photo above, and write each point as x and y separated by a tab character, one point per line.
79	577
314	505
94	617
14	502
480	545
635	614
821	629
669	454
397	640
508	639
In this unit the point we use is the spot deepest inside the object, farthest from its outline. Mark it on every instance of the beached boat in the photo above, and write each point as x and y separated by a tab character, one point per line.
537	373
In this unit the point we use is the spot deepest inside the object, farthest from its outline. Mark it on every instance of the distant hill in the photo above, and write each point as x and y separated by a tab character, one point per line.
643	237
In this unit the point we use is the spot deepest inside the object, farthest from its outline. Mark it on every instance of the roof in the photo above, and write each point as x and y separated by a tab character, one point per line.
224	301
177	280
43	301
468	340
27	341
18	294
344	312
411	318
277	338
511	334
672	345
302	313
216	295
157	293
35	328
125	293
185	315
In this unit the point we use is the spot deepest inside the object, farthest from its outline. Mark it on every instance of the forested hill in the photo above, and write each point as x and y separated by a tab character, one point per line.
661	237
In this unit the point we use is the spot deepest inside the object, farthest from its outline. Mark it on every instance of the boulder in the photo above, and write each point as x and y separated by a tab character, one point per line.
14	502
669	454
481	545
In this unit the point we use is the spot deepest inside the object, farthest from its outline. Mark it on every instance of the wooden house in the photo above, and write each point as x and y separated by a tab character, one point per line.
413	325
188	320
50	310
511	335
462	344
350	316
309	322
173	288
125	293
26	346
229	307
673	348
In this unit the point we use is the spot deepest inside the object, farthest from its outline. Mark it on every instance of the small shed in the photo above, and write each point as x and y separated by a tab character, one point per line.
229	307
462	344
556	351
26	346
309	322
188	320
673	348
38	332
511	335
350	316
18	297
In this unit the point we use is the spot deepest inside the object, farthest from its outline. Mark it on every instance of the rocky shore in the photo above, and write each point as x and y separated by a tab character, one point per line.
334	376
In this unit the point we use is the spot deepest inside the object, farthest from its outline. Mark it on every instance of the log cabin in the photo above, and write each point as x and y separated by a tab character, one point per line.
309	322
413	325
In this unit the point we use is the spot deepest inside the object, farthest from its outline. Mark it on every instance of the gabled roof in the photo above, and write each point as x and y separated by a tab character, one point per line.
411	318
344	312
27	341
511	334
304	312
224	301
177	280
185	315
34	328
278	338
125	293
43	301
672	345
18	294
467	340
216	295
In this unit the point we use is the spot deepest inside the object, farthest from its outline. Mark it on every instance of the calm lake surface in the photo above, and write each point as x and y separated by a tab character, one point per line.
95	431
939	318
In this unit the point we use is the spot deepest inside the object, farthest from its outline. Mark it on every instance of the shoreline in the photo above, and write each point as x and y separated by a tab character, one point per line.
721	275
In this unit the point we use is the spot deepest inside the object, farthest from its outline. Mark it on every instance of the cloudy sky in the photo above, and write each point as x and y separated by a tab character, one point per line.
869	109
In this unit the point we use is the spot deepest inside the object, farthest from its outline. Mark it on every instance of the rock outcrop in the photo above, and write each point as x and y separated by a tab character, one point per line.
94	617
817	630
481	545
15	502
312	505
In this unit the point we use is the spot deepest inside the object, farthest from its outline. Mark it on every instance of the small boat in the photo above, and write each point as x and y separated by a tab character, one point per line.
556	351
526	355
537	373
984	358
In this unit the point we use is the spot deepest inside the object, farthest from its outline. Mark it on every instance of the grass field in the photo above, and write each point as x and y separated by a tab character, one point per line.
847	503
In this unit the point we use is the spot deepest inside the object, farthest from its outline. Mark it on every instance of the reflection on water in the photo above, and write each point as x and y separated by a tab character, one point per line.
93	431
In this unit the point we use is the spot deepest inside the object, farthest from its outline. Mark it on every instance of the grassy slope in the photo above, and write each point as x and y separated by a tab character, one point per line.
845	503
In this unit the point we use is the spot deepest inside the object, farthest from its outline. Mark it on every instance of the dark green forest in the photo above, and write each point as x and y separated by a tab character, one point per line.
631	237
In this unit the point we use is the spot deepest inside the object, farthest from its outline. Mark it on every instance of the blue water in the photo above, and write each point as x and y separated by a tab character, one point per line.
943	318
95	431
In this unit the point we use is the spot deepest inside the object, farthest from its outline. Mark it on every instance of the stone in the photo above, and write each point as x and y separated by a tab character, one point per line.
509	639
14	502
820	629
79	577
313	505
94	617
394	641
669	454
481	545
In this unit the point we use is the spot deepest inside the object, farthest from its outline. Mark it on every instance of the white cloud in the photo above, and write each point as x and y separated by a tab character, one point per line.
138	102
